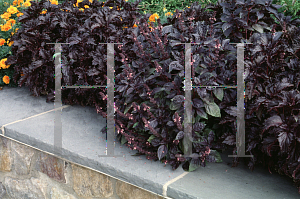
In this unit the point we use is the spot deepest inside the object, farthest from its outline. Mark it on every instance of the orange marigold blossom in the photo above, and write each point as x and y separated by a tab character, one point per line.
6	15
2	64
54	2
168	14
12	22
153	17
12	10
19	2
19	14
10	43
6	79
2	42
27	4
5	27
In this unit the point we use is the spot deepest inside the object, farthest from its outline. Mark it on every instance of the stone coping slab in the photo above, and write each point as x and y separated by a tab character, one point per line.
30	120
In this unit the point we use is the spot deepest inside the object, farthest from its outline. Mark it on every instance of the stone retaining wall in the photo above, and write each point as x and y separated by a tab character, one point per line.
29	173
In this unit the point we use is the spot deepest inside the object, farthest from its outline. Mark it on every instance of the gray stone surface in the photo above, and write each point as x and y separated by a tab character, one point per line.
22	158
82	143
57	193
2	190
23	189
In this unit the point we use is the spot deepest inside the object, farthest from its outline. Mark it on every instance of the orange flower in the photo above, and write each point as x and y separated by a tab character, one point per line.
6	79
10	43
169	13
44	12
54	2
153	17
6	15
11	21
19	14
2	42
2	64
27	4
5	27
12	10
134	26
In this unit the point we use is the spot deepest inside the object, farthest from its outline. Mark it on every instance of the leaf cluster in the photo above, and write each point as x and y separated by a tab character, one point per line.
149	75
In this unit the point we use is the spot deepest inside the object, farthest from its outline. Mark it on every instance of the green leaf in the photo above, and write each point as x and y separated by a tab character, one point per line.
151	71
217	155
213	109
127	109
123	140
180	145
219	93
137	154
193	167
193	120
206	131
151	138
135	124
197	119
208	99
258	28
156	95
173	106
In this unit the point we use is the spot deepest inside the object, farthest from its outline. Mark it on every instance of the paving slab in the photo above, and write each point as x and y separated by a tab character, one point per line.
83	142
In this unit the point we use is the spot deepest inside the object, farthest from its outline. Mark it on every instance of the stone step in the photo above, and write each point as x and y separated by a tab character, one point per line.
29	121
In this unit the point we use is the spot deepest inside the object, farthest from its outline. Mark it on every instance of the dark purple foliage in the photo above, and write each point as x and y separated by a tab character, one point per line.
149	74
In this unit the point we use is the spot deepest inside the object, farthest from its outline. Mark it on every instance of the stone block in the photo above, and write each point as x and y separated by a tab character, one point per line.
88	183
23	189
60	194
52	166
5	154
127	191
2	190
22	156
